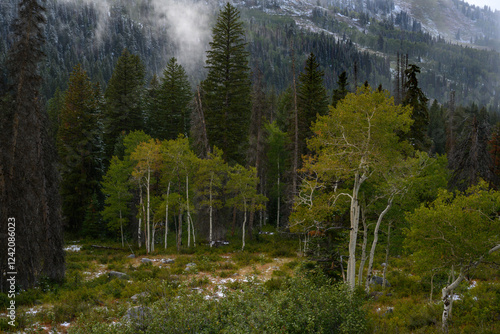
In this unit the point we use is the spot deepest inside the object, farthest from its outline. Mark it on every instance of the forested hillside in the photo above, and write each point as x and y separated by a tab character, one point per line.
340	33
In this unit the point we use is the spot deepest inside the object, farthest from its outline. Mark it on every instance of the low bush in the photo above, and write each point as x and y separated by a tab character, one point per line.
294	305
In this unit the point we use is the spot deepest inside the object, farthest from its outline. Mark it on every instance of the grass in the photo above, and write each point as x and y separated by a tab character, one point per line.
86	298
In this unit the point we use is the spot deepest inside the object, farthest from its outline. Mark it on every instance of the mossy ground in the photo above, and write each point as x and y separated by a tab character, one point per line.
88	294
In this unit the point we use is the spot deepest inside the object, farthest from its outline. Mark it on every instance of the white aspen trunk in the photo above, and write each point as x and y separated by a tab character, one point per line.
374	245
187	207
365	243
166	215
139	241
211	210
153	230
179	232
192	229
145	230
244	222
189	230
386	255
452	274
353	235
447	297
279	198
447	291
148	230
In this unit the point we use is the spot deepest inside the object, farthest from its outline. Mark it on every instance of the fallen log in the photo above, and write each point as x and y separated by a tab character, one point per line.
105	247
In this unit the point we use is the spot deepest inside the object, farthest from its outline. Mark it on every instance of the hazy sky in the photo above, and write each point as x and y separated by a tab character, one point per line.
494	4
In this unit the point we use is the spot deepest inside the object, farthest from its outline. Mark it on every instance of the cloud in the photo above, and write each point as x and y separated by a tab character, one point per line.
187	23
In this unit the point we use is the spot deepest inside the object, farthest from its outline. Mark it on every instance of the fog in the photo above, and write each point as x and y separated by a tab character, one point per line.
188	24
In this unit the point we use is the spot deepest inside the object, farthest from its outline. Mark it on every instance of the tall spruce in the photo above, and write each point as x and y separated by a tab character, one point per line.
437	128
124	100
151	107
172	116
29	183
311	100
79	147
415	97
227	87
341	91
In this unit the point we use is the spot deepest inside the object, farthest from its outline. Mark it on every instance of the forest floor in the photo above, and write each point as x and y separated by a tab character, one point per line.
91	289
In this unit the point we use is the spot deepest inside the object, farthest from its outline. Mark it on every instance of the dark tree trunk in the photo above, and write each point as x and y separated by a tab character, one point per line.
29	181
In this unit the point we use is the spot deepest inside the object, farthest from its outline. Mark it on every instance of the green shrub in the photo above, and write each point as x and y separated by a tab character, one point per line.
294	305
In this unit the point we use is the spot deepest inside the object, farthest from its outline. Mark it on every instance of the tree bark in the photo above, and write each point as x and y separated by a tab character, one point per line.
139	241
447	297
374	245
166	215
351	264
296	129
386	255
179	232
210	209
244	222
365	242
148	231
187	208
279	198
447	291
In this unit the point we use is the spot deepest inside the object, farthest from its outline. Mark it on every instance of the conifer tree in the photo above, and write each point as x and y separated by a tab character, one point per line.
54	106
29	183
227	86
437	128
471	161
78	143
415	98
311	100
151	106
341	91
172	116
124	100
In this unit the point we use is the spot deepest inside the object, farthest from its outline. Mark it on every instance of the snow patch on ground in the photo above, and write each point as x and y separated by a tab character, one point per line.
73	248
472	285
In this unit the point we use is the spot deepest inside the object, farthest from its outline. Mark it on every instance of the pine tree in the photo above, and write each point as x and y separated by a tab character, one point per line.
124	100
311	100
494	148
437	128
227	87
172	116
341	91
78	143
54	106
29	183
471	161
151	107
415	98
